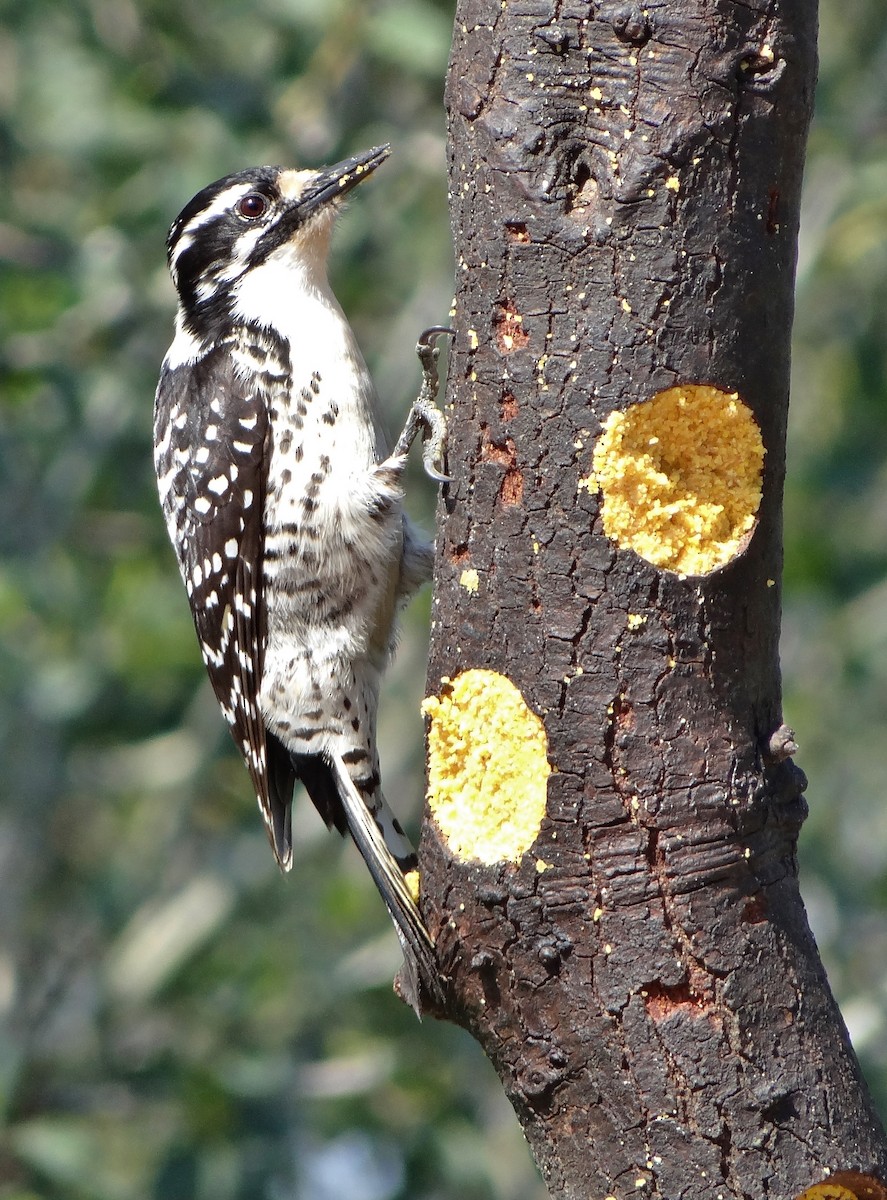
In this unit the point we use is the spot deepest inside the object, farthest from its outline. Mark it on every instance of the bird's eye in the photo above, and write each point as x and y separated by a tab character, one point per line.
253	206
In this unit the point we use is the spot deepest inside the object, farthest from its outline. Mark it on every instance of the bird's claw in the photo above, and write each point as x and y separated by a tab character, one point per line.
434	423
429	352
425	414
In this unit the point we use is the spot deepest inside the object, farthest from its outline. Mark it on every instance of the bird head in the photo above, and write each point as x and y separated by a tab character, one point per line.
241	221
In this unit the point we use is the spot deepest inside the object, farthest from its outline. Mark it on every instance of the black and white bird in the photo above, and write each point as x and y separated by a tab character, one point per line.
284	506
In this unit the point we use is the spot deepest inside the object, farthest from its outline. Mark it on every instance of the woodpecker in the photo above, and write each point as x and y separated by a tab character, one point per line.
285	509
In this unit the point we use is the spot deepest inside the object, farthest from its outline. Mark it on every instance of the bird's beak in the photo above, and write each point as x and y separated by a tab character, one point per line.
312	190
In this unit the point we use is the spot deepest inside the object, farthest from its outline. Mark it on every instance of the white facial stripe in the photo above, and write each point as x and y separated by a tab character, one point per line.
207	289
242	250
221	204
184	242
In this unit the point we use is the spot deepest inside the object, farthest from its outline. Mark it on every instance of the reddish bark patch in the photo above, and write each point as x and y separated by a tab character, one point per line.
509	329
508	407
755	911
661	1002
623	714
511	490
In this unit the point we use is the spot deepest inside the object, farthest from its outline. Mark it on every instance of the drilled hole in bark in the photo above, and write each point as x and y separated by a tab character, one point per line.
680	475
758	63
516	231
781	1110
582	190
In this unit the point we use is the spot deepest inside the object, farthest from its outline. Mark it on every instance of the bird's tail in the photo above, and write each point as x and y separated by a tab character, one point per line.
420	969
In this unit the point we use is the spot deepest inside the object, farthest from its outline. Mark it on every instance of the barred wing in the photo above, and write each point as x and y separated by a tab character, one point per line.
212	441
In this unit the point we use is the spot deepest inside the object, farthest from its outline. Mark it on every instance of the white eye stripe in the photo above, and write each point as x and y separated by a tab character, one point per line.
225	200
182	243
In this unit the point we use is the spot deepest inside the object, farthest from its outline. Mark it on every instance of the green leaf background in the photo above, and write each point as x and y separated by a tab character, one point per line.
176	1019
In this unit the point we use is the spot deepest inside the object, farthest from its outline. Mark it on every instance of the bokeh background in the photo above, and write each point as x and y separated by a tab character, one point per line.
177	1021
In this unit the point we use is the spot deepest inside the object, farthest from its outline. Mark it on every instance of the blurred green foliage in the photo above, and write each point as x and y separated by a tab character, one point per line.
178	1020
834	646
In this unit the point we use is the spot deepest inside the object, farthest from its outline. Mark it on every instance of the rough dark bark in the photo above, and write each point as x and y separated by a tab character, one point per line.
625	189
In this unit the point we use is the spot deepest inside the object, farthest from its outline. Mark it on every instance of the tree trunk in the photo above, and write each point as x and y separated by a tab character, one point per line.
625	936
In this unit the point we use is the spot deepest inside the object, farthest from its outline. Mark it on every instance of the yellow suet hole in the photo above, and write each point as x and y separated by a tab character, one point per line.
487	767
680	476
827	1191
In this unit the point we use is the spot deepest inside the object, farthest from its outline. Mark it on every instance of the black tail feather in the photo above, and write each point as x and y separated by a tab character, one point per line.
315	775
420	969
336	798
281	780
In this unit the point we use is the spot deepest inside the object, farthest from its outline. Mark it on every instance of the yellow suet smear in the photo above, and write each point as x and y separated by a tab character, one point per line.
413	880
470	580
487	767
681	477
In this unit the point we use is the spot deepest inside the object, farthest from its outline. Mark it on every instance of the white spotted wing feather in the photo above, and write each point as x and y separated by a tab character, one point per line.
211	438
